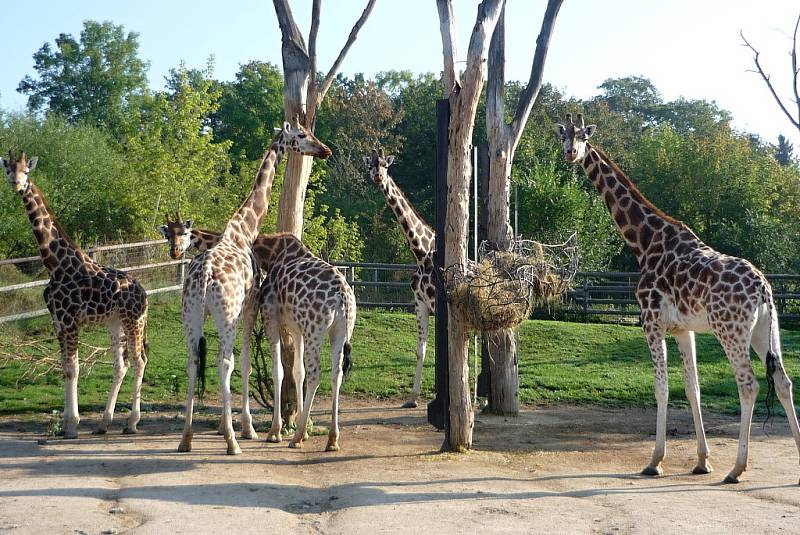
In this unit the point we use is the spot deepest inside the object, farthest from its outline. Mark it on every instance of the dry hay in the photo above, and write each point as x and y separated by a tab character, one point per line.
501	291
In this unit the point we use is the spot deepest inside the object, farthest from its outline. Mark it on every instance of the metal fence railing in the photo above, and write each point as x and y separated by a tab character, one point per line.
377	285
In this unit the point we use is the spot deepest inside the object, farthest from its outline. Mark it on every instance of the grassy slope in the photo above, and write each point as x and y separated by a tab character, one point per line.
559	363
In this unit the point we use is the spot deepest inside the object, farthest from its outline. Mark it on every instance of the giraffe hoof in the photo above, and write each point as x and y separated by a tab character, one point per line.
275	438
185	446
332	446
731	479
702	469
410	404
100	431
295	445
250	434
653	471
234	449
130	431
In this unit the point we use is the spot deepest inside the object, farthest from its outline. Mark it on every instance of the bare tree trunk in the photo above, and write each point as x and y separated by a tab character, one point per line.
301	99
503	140
463	108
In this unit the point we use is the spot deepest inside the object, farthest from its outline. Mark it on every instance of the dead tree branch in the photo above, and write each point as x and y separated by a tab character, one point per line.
326	83
795	74
447	27
37	358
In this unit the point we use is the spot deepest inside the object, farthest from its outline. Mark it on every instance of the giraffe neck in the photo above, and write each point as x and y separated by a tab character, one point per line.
246	221
202	240
419	236
53	242
635	216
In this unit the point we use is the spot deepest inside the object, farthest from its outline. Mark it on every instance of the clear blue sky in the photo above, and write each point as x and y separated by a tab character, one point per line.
686	47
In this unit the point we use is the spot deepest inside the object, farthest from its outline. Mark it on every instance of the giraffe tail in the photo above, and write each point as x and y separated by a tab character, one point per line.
201	367
347	361
772	359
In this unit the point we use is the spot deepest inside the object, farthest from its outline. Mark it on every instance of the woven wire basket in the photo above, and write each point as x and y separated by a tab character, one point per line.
501	290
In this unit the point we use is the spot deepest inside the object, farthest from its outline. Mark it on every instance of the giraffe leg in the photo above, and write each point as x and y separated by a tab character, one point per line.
312	353
658	353
783	385
738	354
68	340
299	374
193	328
337	354
118	344
273	334
686	345
227	335
248	320
422	343
135	338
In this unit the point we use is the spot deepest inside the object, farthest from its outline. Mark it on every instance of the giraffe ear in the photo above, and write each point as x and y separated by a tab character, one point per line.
163	230
287	127
389	160
189	223
589	130
367	161
32	163
560	130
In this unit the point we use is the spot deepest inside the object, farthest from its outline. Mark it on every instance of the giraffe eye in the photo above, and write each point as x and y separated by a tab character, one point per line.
301	136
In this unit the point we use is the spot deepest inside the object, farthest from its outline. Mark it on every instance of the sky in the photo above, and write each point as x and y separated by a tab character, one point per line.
687	48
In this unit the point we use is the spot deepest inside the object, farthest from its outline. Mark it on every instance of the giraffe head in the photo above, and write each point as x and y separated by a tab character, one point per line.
298	139
378	165
17	170
178	234
574	137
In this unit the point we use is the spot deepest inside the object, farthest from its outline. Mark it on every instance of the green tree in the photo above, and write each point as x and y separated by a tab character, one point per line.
784	152
90	79
250	107
86	180
173	151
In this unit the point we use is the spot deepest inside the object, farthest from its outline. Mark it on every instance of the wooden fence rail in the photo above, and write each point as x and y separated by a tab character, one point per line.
380	285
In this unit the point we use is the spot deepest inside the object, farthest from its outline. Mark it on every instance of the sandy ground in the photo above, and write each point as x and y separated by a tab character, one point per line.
552	470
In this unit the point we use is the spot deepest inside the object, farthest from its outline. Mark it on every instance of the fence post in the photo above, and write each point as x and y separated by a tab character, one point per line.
586	300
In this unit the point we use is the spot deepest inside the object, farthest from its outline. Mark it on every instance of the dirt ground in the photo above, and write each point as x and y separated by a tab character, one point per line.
551	470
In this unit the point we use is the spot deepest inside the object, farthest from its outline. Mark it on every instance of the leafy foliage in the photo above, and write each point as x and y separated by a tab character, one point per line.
89	79
86	181
197	144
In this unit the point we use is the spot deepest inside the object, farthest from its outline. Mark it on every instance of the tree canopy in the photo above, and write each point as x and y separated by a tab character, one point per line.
115	154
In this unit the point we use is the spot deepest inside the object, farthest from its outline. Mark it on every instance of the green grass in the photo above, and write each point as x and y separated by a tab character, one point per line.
559	363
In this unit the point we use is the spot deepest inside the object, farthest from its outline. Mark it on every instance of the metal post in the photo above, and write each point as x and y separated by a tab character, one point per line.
439	408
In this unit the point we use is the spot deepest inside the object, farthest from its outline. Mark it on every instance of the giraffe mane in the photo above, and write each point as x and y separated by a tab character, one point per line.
635	192
53	219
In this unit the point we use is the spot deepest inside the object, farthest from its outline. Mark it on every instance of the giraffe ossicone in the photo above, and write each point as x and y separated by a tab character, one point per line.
687	287
82	292
421	239
222	282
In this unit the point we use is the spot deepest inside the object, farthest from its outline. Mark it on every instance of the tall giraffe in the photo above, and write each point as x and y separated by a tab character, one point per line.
421	240
687	287
220	280
300	293
82	292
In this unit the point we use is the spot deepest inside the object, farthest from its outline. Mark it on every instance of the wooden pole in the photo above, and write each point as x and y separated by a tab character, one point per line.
439	407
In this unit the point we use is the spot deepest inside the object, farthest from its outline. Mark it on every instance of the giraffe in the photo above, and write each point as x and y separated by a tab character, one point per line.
300	293
421	239
221	281
82	292
687	287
